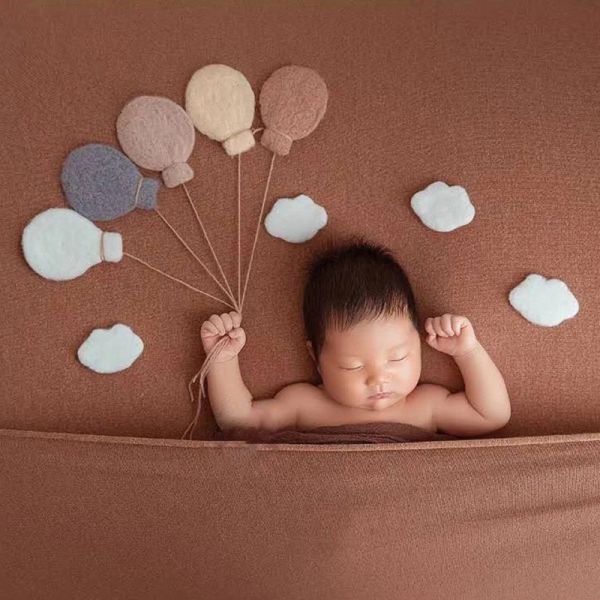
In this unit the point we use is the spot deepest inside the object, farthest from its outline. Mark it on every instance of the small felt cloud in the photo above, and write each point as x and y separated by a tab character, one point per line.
295	220
110	350
546	302
443	208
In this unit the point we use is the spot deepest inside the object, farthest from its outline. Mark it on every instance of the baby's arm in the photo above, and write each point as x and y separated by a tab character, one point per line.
484	385
484	405
231	401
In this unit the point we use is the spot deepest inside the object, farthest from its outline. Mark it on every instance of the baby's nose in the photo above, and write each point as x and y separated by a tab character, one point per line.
376	377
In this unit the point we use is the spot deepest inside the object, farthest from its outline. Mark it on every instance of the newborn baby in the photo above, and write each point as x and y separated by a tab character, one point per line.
363	335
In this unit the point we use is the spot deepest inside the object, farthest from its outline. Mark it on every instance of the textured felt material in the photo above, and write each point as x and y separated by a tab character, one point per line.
221	103
544	301
442	207
110	350
292	103
60	244
295	220
101	183
157	134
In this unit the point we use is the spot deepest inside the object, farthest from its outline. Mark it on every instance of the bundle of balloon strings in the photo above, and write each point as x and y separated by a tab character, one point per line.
292	101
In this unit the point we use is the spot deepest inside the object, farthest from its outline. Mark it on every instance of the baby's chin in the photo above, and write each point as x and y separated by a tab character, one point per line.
378	404
381	403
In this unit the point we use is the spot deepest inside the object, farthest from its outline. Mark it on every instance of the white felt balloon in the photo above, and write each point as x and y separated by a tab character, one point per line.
221	104
60	244
546	302
110	350
443	208
295	220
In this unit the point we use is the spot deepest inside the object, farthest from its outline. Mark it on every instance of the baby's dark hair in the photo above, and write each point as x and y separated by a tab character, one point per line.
352	281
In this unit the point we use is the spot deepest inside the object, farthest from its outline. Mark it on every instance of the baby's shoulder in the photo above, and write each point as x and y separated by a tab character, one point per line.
301	391
430	391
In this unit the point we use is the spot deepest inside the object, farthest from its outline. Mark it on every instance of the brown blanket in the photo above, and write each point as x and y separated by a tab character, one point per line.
363	433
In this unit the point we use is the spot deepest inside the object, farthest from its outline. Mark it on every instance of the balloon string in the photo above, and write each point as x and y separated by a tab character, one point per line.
239	182
143	262
210	245
194	255
137	191
102	258
201	374
257	229
216	349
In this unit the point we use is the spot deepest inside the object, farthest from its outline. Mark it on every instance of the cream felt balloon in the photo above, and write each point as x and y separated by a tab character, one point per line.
60	244
221	104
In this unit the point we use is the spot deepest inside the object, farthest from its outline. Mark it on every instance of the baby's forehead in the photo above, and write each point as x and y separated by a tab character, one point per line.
387	333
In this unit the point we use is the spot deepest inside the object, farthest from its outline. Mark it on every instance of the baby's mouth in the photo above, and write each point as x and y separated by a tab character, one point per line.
380	395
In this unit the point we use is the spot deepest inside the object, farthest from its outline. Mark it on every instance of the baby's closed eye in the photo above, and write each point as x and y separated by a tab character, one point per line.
360	366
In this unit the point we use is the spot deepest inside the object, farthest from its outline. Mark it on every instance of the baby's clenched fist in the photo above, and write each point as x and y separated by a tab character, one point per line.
451	334
219	326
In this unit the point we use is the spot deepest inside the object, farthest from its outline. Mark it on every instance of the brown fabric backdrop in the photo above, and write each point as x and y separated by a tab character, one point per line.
499	97
107	518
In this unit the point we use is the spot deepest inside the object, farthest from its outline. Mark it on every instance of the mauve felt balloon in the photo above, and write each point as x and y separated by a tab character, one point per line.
221	103
157	134
101	183
292	103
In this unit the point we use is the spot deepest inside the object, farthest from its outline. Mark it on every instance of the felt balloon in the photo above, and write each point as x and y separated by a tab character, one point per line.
292	103
60	244
157	134
221	103
101	183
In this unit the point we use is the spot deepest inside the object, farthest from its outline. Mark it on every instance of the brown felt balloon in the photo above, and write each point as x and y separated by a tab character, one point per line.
157	134
292	103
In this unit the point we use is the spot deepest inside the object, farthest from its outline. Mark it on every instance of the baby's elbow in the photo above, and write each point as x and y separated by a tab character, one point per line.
230	422
273	414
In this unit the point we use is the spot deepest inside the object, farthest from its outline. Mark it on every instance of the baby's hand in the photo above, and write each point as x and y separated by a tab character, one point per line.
451	334
228	324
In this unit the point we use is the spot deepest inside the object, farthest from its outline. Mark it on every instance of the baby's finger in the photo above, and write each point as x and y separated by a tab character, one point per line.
429	327
457	324
227	321
216	321
208	328
447	324
236	317
437	325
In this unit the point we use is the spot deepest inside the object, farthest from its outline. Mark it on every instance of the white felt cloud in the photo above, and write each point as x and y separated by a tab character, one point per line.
443	208
61	244
110	350
295	220
542	301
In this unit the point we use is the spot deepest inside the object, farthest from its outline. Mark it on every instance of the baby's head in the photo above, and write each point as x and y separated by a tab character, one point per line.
361	325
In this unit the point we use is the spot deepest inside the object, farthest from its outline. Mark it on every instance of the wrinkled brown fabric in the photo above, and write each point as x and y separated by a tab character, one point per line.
366	433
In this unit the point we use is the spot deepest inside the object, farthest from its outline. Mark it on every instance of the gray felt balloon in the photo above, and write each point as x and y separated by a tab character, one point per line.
101	183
